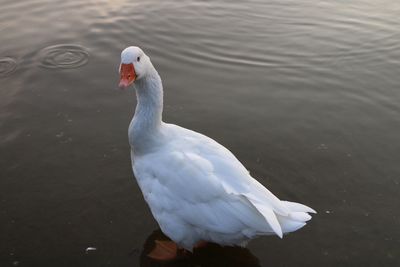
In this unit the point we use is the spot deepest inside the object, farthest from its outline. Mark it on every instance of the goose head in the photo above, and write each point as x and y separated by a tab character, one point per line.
135	65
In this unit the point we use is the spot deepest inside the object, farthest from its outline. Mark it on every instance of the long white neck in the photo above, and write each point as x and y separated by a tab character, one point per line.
145	127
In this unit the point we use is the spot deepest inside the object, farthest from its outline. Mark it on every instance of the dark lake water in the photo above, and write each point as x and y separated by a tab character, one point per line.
305	93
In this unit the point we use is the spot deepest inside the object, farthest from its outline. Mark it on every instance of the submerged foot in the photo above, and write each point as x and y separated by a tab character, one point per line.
200	244
164	250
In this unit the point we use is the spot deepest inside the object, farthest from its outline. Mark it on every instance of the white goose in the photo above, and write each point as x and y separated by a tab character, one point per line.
197	190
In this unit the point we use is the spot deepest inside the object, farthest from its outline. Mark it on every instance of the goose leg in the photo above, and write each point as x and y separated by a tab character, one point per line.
164	250
200	244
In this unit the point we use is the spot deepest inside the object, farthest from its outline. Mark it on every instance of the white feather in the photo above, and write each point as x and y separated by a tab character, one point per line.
197	189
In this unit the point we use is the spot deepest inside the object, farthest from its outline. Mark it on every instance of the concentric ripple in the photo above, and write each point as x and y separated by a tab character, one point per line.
63	56
7	66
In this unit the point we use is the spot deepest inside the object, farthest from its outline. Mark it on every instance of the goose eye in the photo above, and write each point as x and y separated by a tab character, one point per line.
138	59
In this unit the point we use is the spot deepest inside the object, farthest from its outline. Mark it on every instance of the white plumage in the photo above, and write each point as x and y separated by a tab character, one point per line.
197	189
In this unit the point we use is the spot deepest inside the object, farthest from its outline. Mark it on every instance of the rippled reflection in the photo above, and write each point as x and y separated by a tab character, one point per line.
7	66
64	56
210	255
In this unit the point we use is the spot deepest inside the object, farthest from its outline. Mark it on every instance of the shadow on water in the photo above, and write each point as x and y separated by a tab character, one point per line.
210	255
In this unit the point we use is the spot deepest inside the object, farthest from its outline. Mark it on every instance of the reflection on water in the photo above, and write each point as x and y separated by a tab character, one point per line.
212	255
65	56
7	66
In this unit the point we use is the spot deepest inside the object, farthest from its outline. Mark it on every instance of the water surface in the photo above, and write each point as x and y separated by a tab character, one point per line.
305	93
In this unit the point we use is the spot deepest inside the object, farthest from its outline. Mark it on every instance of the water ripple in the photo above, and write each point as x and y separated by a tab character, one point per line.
7	66
63	56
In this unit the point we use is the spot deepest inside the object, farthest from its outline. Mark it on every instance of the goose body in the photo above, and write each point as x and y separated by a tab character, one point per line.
197	190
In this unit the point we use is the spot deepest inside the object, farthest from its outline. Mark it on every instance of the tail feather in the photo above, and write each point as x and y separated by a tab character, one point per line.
279	223
294	206
289	226
297	217
270	217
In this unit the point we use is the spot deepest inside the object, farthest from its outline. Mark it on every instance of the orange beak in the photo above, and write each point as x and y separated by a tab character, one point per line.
128	75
